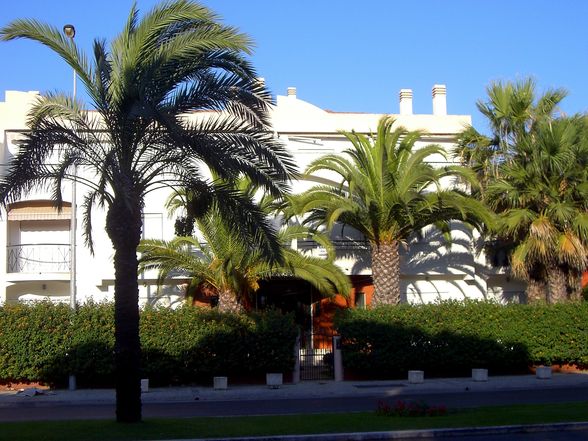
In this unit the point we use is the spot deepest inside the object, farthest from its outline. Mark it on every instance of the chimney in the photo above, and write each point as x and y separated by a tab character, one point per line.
406	101
439	99
291	92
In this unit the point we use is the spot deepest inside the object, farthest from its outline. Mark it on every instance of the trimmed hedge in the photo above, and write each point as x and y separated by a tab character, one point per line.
46	342
451	338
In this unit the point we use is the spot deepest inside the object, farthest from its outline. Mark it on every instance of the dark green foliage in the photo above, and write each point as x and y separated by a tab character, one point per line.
46	342
451	338
30	338
184	226
191	345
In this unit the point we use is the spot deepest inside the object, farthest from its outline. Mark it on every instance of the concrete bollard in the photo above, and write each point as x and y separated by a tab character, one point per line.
480	374
337	358
543	372
416	377
220	383
274	380
144	385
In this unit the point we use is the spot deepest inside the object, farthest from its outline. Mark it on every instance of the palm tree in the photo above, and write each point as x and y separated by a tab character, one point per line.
542	198
232	264
388	191
176	59
519	167
512	111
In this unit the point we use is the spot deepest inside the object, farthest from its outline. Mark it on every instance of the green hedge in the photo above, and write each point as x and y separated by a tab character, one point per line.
46	342
451	338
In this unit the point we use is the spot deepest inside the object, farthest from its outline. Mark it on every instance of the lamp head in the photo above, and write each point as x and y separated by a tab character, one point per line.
69	30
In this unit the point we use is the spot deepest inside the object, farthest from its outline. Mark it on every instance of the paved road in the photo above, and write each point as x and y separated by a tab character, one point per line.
573	435
30	410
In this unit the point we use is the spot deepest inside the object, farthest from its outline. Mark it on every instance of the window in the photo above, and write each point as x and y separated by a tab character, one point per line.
360	299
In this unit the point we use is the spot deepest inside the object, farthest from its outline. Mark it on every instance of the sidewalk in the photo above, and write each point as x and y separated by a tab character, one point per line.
321	389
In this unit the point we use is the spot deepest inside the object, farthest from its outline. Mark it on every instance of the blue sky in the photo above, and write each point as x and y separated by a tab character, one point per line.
355	55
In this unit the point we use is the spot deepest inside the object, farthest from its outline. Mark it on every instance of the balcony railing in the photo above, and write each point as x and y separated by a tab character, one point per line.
349	246
38	258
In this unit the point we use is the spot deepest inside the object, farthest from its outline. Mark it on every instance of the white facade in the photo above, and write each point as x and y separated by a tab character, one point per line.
36	239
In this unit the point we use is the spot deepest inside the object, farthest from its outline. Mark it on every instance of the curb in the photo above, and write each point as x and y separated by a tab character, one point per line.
411	434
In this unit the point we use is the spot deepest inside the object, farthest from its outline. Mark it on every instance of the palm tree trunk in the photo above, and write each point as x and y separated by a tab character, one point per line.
575	284
536	291
228	302
386	274
557	286
123	224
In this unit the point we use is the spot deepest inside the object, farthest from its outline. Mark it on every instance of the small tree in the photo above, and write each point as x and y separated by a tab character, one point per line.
233	264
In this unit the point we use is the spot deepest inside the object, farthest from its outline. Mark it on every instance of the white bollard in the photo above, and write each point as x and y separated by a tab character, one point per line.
543	372
144	385
220	383
416	377
337	358
274	380
480	374
72	382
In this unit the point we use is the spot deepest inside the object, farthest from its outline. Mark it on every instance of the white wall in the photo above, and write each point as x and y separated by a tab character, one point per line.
430	271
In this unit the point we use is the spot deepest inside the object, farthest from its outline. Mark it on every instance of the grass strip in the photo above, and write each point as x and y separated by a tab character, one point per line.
214	427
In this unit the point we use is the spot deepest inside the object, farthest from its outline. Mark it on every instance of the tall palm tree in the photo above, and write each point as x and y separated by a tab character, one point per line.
542	198
176	59
388	191
512	111
518	178
230	263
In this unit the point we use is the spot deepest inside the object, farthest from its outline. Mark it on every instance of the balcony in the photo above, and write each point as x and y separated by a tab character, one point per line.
38	258
343	246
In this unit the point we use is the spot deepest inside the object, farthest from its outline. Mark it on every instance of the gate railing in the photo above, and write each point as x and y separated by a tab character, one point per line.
316	357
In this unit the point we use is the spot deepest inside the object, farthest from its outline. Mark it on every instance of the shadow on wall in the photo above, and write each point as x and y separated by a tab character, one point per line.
437	270
388	351
431	268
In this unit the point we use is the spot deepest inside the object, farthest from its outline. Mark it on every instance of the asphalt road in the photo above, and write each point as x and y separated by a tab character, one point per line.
572	435
30	410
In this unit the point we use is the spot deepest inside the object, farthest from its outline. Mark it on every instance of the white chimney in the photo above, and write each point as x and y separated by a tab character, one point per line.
292	92
439	99
405	101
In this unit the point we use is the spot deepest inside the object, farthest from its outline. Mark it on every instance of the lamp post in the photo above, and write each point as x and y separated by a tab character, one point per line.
70	32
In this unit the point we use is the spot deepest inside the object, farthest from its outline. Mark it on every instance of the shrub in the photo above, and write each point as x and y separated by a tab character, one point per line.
31	337
451	338
47	342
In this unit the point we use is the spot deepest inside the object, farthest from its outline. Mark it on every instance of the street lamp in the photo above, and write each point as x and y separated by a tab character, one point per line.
70	32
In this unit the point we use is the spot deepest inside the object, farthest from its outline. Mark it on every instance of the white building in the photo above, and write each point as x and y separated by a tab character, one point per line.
36	238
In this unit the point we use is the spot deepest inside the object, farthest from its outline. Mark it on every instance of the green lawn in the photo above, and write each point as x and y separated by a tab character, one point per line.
154	429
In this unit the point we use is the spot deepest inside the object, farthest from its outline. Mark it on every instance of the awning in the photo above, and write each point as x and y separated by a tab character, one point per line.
38	210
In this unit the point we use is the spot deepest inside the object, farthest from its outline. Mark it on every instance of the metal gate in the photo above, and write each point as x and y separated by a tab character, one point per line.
316	357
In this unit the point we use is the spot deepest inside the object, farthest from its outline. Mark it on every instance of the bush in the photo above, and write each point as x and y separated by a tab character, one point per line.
47	342
192	345
31	337
451	338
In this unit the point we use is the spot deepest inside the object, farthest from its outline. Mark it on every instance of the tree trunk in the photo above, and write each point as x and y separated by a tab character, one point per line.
536	291
386	274
228	302
123	225
575	286
556	285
